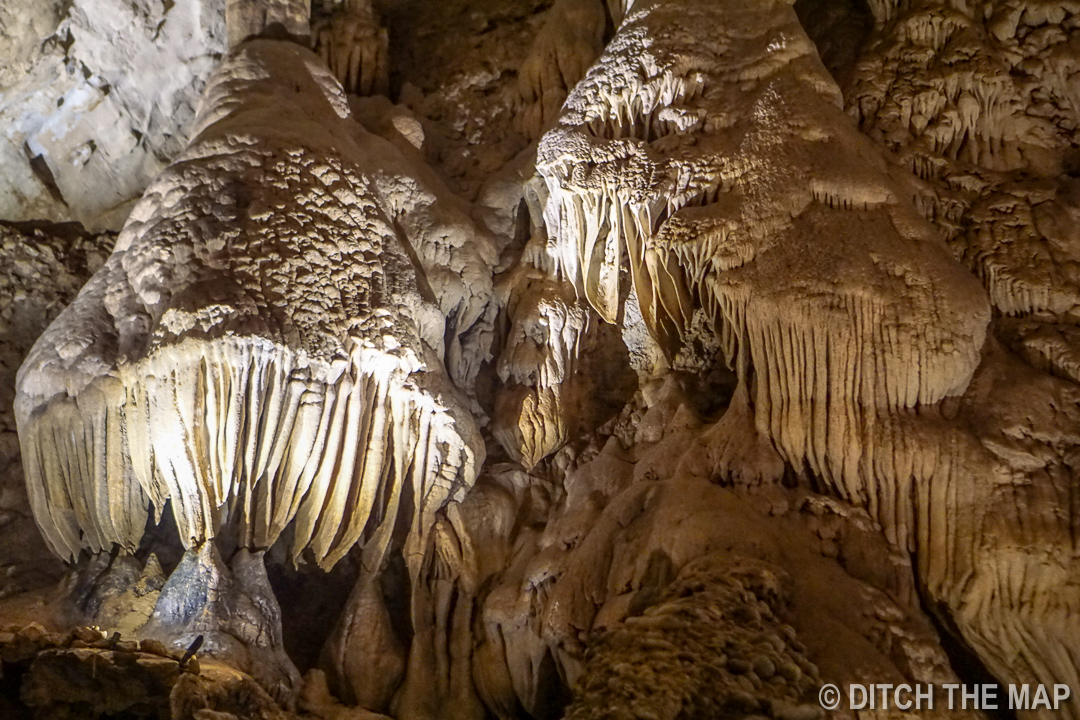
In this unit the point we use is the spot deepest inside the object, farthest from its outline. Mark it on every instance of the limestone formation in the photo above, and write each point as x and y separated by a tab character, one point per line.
235	391
105	104
745	193
47	266
284	18
698	633
564	49
541	356
531	359
355	47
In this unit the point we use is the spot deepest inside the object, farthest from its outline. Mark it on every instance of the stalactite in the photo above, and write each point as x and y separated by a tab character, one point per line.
260	364
290	348
831	295
355	47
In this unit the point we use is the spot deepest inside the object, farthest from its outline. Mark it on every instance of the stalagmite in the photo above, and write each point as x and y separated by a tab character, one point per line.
263	347
533	415
227	612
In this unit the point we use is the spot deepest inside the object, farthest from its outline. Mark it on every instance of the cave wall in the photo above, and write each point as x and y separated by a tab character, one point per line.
569	359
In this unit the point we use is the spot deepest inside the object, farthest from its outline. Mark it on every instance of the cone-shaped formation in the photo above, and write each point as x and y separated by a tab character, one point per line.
263	346
727	176
228	612
722	169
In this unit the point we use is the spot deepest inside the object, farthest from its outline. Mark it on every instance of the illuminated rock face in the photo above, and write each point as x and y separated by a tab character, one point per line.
257	351
709	397
720	169
731	182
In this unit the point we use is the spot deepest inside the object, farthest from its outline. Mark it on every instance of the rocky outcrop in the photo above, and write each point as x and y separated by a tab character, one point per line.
86	672
106	103
711	646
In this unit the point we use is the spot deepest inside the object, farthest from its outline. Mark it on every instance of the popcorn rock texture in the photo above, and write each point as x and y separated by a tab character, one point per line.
714	636
253	348
526	359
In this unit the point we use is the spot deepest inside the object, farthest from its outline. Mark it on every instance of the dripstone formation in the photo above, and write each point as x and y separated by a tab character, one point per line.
575	359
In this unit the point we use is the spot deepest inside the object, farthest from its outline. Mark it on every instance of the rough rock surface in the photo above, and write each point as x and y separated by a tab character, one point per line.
545	359
45	269
215	278
95	99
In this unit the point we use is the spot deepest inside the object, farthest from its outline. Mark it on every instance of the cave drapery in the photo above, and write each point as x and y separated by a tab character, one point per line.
573	359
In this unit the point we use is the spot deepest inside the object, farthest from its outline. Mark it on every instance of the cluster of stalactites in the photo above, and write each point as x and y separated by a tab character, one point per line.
255	354
975	115
355	47
743	228
242	431
603	231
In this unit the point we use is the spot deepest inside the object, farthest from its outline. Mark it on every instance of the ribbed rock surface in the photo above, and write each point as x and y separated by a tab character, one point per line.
772	213
976	99
257	349
722	172
778	337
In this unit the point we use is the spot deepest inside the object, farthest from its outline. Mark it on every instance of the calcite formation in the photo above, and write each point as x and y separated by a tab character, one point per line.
47	268
258	350
680	160
695	638
986	126
643	358
724	173
355	47
560	55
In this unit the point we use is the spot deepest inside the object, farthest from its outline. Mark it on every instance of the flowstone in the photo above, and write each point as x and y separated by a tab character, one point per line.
732	372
